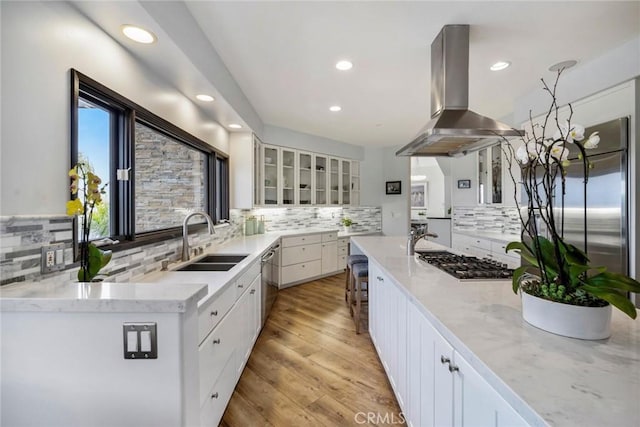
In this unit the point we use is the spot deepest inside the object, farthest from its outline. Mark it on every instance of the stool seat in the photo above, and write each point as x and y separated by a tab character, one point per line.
355	259
360	269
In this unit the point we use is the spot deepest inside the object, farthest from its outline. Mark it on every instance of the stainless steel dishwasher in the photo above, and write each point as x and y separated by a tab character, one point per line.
269	280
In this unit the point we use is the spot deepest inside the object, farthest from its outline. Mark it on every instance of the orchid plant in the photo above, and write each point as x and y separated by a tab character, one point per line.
87	193
557	270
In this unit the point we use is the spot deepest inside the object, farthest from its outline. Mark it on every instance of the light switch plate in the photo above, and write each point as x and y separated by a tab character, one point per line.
146	342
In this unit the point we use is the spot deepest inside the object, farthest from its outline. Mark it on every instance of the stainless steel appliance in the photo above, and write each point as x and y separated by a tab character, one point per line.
269	280
466	267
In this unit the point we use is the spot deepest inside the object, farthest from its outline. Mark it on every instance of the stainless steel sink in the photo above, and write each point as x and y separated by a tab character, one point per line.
223	258
207	266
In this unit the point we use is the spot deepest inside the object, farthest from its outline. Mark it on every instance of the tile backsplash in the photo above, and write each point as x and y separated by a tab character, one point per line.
22	239
488	218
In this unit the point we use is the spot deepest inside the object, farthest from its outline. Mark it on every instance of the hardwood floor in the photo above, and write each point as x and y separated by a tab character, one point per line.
309	368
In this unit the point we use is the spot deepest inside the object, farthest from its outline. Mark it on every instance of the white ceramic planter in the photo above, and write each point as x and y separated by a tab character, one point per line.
347	229
587	323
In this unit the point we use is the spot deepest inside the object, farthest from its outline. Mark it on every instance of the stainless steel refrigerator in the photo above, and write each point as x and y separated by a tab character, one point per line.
606	236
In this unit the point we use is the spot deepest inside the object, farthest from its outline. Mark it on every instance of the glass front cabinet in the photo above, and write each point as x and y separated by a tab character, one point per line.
291	177
490	175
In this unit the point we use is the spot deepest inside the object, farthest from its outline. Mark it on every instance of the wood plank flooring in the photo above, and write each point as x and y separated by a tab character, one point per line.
309	368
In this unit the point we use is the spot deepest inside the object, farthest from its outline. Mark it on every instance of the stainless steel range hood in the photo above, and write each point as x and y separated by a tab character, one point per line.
454	130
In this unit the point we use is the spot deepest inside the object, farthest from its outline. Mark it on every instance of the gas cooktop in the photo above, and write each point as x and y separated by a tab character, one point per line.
466	267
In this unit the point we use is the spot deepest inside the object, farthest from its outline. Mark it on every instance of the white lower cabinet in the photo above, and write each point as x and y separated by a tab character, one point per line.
308	256
329	257
434	384
484	248
224	352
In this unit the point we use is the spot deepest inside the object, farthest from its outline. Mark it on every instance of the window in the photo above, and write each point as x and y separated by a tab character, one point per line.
157	172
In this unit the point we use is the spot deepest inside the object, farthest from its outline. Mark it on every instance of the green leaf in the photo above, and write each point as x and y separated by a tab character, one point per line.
517	274
573	255
614	281
525	252
613	297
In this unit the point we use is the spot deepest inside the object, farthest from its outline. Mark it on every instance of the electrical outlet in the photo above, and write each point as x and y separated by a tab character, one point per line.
52	258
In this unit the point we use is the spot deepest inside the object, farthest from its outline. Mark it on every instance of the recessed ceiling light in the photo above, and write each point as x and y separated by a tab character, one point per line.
563	65
138	34
344	65
500	65
418	177
205	98
235	126
335	108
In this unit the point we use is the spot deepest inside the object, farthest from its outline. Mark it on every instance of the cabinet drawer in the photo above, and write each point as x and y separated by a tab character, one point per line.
300	254
217	397
297	272
342	250
209	315
213	353
329	237
244	281
301	240
342	262
343	242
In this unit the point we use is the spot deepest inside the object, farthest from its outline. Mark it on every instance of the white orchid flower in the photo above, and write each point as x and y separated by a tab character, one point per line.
557	152
569	132
530	151
593	141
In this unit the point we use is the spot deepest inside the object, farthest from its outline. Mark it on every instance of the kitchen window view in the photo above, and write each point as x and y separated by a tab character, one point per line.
153	181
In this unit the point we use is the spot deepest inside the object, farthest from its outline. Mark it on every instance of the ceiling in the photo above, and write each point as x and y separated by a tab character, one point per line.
282	55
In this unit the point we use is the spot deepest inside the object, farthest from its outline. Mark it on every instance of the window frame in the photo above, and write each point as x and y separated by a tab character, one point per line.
122	151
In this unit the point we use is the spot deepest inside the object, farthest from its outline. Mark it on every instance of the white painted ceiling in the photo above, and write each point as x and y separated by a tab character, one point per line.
282	55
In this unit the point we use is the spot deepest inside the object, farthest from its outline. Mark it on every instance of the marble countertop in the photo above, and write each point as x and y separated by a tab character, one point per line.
546	378
159	291
171	297
491	235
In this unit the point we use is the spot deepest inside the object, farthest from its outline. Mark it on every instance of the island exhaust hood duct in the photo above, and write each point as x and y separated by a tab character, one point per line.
454	130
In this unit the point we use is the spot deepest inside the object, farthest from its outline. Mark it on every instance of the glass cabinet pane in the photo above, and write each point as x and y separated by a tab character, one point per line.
304	178
288	177
270	176
346	182
496	174
335	182
482	176
257	168
321	180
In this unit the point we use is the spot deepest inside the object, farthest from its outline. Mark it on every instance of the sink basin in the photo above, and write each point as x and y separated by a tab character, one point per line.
207	266
222	258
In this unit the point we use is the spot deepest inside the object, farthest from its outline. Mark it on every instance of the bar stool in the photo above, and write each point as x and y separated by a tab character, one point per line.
360	274
351	260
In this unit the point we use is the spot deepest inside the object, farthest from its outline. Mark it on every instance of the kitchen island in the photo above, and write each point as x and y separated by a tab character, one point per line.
544	379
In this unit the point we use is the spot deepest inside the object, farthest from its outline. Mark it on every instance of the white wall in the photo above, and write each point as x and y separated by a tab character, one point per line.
303	141
381	165
40	43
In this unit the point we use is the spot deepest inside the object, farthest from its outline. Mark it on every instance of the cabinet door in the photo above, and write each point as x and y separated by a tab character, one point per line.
345	181
258	172
329	257
321	166
271	161
355	183
419	369
305	161
475	401
374	296
334	182
443	383
289	179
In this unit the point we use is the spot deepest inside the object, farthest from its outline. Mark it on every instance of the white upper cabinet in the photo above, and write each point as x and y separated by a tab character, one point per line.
320	164
271	172
334	181
305	178
289	177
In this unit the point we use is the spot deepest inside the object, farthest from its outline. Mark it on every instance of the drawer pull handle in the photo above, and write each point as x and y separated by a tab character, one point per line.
380	278
241	286
453	368
253	291
214	313
444	360
216	341
214	395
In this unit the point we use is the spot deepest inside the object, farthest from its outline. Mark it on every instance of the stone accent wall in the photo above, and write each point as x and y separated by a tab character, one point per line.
169	177
504	219
364	218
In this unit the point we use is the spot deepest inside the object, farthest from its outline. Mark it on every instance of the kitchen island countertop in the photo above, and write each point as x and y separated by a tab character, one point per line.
546	378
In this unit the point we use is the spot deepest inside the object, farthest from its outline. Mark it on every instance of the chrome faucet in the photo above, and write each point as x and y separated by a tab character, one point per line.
185	232
416	234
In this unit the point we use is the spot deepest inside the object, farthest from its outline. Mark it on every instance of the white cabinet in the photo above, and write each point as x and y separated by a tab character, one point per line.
343	252
320	165
355	183
271	172
309	256
329	257
305	178
434	384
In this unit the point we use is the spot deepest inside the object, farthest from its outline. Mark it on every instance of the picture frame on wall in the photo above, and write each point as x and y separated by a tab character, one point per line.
419	196
393	187
464	183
